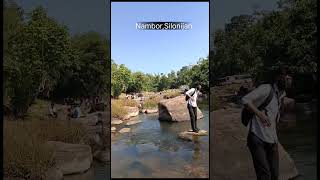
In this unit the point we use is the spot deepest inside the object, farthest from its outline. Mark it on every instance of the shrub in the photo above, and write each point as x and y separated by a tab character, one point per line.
25	153
152	102
117	109
171	94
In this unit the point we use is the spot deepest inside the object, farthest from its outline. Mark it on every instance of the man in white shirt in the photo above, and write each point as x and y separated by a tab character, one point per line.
262	137
192	96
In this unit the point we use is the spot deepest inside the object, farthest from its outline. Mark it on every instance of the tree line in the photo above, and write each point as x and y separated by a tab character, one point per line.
42	60
262	41
123	80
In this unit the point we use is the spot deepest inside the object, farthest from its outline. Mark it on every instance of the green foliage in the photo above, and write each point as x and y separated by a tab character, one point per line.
123	80
34	59
41	60
260	42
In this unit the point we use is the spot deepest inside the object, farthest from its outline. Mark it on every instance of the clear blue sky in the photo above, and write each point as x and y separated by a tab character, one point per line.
154	51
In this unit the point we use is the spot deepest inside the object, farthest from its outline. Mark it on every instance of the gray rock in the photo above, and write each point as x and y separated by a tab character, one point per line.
116	122
71	158
53	174
133	122
124	130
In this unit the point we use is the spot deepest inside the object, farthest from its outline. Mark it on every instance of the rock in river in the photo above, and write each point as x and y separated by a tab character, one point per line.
151	111
71	158
124	130
230	155
189	136
116	121
113	129
133	122
175	110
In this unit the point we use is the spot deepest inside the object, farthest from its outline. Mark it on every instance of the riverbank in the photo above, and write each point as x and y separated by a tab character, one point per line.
39	147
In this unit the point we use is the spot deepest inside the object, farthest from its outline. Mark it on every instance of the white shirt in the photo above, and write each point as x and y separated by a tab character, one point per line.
193	101
257	97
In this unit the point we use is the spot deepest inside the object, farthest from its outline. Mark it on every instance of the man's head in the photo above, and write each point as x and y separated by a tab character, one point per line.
199	87
282	78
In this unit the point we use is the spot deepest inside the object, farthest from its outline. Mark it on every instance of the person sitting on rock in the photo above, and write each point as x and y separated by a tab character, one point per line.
52	111
191	97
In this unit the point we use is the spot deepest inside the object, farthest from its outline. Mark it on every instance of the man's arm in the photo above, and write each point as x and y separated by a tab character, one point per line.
189	92
259	94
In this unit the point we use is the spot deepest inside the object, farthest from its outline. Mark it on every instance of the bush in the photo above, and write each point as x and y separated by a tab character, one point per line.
171	94
117	109
152	102
25	152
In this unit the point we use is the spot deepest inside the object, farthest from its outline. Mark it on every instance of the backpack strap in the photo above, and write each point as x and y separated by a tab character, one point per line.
268	100
265	103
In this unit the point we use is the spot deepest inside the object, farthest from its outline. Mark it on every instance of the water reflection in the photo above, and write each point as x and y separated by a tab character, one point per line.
153	149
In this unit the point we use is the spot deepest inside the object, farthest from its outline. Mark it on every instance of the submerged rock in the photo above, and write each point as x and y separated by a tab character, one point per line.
230	155
116	122
151	111
124	130
175	110
133	122
189	136
71	158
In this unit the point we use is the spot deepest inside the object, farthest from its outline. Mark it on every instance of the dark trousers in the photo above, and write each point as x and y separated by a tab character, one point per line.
193	117
265	158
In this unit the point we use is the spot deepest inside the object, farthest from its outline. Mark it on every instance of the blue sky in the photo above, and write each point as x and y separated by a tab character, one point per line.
152	51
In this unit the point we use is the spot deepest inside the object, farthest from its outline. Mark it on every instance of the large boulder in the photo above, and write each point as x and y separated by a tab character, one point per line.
71	158
175	110
230	155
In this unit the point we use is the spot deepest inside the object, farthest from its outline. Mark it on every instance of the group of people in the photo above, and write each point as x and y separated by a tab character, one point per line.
78	105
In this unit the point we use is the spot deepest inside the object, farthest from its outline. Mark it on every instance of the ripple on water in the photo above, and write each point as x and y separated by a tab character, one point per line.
153	149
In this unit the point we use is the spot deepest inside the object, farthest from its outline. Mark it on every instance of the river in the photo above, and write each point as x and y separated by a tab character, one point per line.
153	150
299	138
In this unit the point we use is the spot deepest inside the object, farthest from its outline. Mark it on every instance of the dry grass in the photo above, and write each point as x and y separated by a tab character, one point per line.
25	152
152	102
171	93
117	109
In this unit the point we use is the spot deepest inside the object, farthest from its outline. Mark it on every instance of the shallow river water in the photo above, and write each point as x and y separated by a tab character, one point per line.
153	150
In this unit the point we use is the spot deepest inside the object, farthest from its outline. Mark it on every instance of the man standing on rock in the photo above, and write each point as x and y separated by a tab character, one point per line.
191	97
262	138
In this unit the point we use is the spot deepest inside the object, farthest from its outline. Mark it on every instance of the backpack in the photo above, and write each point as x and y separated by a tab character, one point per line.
247	115
187	97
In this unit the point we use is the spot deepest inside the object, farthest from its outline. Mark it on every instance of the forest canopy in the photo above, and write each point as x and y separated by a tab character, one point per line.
260	42
123	80
42	60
